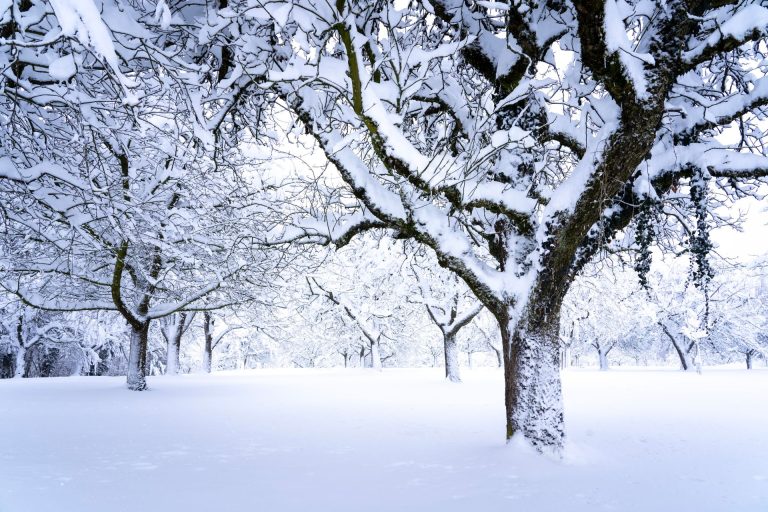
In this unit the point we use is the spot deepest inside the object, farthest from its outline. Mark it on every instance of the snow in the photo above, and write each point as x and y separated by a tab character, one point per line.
350	440
616	40
62	68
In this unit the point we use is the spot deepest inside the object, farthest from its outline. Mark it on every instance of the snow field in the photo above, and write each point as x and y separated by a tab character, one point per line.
399	440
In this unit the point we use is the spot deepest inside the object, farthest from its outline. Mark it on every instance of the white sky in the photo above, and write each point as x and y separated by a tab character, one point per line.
753	240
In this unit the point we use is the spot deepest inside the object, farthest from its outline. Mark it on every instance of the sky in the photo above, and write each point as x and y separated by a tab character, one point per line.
752	241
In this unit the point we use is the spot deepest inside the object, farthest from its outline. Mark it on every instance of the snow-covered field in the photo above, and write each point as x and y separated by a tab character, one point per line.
401	440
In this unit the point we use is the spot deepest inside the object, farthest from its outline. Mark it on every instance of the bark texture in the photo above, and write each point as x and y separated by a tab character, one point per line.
451	358
533	395
208	345
376	355
137	359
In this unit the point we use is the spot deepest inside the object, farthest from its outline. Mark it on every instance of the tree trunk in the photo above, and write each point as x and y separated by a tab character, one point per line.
533	396
18	371
499	359
602	355
749	360
681	353
172	357
451	358
375	356
21	353
174	346
207	357
137	358
362	357
208	345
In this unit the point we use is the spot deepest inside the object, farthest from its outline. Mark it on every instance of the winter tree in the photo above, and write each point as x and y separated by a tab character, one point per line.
450	306
516	140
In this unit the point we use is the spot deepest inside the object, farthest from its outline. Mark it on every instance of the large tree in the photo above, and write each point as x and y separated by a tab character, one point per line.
516	139
110	200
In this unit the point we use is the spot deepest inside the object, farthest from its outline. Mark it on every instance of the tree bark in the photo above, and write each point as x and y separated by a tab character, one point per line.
18	370
533	395
174	346
602	355
499	359
681	353
208	345
451	358
172	357
137	358
376	355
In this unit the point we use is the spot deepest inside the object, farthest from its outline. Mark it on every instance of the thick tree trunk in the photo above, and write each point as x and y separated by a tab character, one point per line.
375	356
172	357
533	395
749	360
602	356
137	358
451	358
207	357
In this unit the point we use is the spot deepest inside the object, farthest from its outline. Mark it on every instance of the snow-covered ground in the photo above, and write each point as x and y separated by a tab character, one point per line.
401	440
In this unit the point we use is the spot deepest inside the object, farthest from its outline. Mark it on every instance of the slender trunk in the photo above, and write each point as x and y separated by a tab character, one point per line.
18	371
137	358
375	355
749	360
362	357
499	359
451	358
681	354
208	345
533	396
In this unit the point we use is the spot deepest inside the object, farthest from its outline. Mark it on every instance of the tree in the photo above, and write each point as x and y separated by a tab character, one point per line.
368	282
211	340
623	310
442	297
517	140
27	329
173	328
